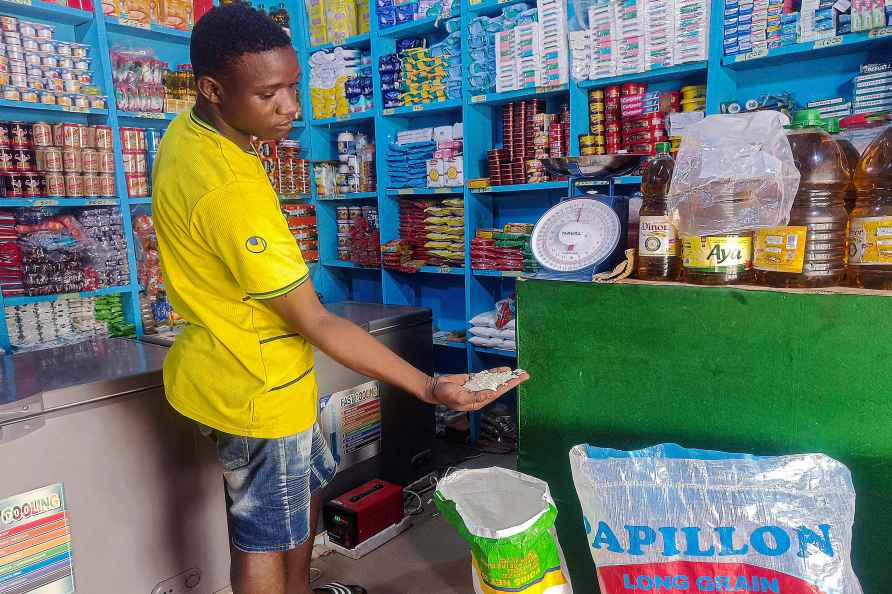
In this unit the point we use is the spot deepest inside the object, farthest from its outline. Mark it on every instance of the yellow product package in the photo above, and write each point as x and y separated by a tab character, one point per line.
340	20
316	18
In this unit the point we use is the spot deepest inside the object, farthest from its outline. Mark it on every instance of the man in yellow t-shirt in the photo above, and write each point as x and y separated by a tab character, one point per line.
243	367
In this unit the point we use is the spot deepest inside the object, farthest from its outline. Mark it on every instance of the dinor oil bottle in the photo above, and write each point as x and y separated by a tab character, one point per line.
658	248
810	251
870	230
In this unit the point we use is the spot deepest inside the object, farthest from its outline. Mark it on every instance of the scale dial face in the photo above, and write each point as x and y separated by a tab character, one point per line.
575	235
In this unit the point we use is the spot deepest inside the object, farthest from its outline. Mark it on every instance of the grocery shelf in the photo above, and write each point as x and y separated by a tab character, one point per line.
25	300
498	273
422	191
519	95
344	119
140	115
823	47
347	264
284	198
411	29
649	76
38	107
142	200
553	185
422	108
61	201
489	351
356	41
442	270
45	11
488	7
350	196
299	124
151	32
450	344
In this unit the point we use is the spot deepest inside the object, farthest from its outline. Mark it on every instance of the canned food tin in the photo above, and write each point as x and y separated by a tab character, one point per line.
137	184
12	39
4	134
32	184
17	67
91	185
33	58
132	139
12	185
343	242
586	141
67	74
343	213
107	185
596	94
134	162
79	50
41	31
81	101
46	46
72	135
51	160
23	158
106	162
9	23
74	184
30	45
72	160
20	81
355	211
81	64
66	62
97	102
55	85
104	140
12	94
55	183
15	54
343	227
89	137
6	162
35	84
4	78
71	86
90	160
34	71
20	134
63	48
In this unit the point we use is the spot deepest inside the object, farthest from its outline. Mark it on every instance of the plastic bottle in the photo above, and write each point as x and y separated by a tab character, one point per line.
658	257
852	158
811	250
870	231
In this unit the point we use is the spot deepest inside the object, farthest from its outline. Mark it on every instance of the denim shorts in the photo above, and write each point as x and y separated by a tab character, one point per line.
269	483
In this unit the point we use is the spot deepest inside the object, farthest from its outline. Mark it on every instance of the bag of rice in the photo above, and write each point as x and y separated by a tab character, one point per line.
667	518
508	519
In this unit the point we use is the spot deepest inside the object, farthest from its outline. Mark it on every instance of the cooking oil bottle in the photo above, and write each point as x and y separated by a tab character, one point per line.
870	232
852	158
811	250
657	242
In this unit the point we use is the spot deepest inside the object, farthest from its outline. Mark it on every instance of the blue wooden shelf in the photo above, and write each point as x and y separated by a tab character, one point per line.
423	191
670	73
499	352
35	9
348	265
153	32
350	196
299	124
488	7
138	201
40	107
356	41
146	116
294	198
833	46
518	95
345	119
442	270
451	344
417	27
554	185
422	108
498	273
25	300
61	201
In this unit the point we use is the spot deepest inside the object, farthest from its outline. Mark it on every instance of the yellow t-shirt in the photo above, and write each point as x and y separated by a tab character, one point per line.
225	247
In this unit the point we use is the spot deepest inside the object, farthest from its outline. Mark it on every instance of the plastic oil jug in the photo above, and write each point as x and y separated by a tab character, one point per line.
870	231
811	250
658	257
852	158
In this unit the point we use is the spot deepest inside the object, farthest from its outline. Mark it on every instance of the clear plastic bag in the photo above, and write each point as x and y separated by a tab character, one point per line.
667	518
733	173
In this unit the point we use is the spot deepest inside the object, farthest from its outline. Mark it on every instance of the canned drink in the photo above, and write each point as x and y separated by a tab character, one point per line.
132	139
6	162
23	158
42	134
12	185
355	211
72	135
72	160
57	133
54	183
104	140
137	185
106	185
153	139
90	161
5	136
106	162
134	162
32	184
74	184
91	185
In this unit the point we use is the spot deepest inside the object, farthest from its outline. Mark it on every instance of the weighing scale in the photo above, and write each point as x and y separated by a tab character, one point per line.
585	234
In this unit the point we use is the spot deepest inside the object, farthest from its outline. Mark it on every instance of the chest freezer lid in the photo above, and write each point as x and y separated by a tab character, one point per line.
377	318
51	379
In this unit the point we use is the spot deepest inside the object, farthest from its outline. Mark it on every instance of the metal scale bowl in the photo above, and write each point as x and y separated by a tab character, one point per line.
585	234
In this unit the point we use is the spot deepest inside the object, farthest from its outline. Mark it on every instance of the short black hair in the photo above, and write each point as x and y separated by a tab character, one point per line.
225	33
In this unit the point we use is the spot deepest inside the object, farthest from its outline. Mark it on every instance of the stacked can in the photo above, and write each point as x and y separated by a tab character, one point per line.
356	169
666	101
642	133
153	141
594	142
268	152
37	68
135	159
302	224
632	100
528	135
358	235
293	171
41	159
693	98
613	141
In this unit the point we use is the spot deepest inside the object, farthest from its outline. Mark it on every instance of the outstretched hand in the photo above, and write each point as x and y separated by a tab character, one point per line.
448	390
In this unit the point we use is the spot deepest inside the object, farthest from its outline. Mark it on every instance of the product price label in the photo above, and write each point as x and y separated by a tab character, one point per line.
387	112
405	191
870	241
132	23
445	269
478	98
75	109
512	273
23	2
656	237
759	53
152	115
344	118
474	2
418	108
829	42
102	202
722	253
884	32
45	202
441	191
780	249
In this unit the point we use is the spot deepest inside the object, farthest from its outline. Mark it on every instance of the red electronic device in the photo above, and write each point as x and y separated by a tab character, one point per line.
360	514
